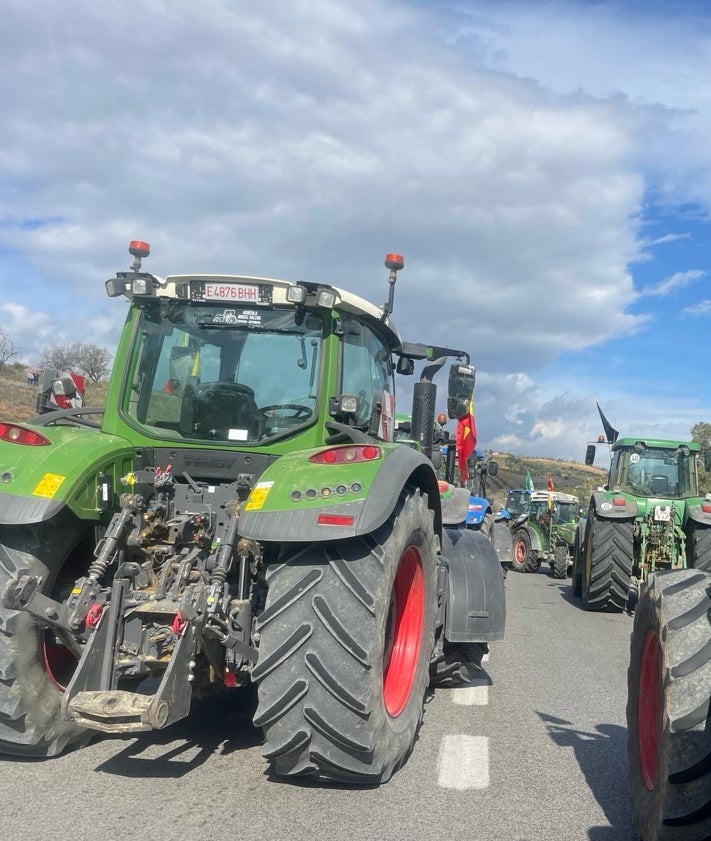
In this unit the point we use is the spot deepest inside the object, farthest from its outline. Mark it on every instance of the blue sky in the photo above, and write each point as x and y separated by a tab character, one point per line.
545	168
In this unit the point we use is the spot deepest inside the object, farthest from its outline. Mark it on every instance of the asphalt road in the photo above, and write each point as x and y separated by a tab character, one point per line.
533	751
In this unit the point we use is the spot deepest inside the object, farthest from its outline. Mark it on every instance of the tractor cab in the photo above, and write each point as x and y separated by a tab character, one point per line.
658	469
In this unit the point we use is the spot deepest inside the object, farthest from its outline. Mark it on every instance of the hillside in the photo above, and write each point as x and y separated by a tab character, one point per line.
18	401
567	476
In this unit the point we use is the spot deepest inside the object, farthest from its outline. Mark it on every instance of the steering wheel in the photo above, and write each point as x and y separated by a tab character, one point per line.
299	411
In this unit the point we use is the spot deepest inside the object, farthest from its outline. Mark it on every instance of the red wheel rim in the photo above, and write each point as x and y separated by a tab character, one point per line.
403	635
520	551
649	710
59	662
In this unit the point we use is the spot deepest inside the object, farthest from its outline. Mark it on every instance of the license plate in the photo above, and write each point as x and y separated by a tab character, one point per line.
662	513
238	292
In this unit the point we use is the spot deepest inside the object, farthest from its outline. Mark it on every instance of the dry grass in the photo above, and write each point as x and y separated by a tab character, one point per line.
18	401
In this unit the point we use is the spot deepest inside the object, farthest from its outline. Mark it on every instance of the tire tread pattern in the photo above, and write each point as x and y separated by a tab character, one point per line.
676	604
321	701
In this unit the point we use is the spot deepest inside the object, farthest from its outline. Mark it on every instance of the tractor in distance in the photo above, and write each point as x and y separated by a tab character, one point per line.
517	500
239	513
545	532
649	516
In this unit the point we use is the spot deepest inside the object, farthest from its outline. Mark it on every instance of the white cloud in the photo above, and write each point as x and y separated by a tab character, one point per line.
307	140
673	283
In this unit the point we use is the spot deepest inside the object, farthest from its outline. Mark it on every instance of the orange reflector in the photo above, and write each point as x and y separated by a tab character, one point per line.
334	520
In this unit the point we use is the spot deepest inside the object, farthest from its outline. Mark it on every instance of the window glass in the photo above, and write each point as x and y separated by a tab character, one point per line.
236	375
366	370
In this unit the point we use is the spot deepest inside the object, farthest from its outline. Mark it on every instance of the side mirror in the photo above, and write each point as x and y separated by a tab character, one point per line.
462	379
590	454
492	468
405	365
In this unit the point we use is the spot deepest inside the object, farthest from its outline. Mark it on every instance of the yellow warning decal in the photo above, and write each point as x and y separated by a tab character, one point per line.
258	496
48	485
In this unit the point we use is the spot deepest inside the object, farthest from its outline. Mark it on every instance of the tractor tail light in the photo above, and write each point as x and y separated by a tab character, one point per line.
619	501
706	507
15	434
334	520
346	455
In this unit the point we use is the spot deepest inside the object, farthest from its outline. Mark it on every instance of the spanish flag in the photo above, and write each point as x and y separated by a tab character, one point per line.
465	438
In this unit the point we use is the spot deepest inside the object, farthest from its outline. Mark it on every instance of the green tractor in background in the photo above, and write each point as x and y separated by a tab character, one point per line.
238	513
545	532
648	517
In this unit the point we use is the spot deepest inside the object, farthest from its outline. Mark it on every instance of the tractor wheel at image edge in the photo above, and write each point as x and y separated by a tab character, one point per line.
668	732
34	668
576	578
701	547
560	562
607	563
523	559
346	638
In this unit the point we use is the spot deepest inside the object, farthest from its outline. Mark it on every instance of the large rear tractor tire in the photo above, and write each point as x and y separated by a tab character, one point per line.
668	725
607	564
524	559
346	638
34	667
560	562
701	547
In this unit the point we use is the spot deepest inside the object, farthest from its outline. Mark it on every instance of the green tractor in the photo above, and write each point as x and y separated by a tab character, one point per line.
545	532
648	517
238	513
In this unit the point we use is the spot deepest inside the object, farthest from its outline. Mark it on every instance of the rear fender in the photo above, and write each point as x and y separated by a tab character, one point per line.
696	514
272	513
605	509
39	481
475	609
503	541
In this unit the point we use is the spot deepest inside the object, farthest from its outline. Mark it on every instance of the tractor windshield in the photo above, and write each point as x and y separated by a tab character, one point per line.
567	512
655	472
517	501
236	375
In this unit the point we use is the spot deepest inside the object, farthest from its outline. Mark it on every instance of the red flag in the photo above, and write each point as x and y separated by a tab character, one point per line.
551	486
465	438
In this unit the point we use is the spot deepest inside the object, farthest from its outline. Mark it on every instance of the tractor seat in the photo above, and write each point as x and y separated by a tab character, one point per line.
659	485
221	411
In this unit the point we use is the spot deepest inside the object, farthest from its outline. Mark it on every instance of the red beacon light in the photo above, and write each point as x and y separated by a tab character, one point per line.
394	262
138	250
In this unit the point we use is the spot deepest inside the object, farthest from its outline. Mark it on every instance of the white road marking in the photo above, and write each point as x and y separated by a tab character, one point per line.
475	694
464	762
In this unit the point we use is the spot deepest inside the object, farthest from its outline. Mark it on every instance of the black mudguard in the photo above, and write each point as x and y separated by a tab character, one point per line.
503	542
475	609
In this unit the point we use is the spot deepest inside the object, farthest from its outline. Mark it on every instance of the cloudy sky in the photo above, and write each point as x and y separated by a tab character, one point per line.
545	168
